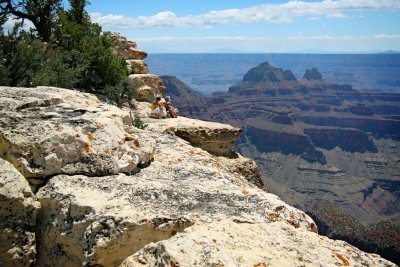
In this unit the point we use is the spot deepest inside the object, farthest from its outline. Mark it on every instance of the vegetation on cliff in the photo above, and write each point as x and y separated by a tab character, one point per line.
64	49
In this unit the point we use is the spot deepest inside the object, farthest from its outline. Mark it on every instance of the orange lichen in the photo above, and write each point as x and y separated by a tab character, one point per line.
343	259
245	192
273	217
90	137
107	152
87	147
136	142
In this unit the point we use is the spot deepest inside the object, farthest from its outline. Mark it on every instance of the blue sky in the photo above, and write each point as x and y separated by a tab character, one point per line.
254	25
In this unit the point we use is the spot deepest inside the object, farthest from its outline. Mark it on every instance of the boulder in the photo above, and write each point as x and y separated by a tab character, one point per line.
103	220
131	53
46	131
152	86
137	67
216	138
18	209
228	243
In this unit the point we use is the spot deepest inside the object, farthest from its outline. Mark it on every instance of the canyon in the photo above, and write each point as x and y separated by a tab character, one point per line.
82	185
326	148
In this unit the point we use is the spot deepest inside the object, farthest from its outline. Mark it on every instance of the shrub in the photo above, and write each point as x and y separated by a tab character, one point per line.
123	92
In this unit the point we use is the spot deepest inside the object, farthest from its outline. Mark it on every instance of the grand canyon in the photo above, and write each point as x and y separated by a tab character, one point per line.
324	147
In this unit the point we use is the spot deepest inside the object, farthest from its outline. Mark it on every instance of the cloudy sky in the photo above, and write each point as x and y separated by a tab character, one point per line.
254	25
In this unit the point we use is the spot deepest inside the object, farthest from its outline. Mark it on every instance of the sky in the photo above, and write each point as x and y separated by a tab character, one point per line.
253	26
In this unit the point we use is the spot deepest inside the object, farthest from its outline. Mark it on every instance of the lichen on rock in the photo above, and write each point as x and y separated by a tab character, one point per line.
47	131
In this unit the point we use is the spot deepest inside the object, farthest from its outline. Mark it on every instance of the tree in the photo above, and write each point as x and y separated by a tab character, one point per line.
77	11
40	12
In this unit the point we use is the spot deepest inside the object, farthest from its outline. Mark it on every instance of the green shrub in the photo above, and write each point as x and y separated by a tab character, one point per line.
123	92
138	123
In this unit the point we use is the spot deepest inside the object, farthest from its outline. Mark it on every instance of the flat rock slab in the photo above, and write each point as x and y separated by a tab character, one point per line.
46	131
103	220
226	243
216	138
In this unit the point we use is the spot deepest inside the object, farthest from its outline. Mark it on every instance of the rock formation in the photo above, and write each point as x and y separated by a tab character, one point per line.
151	85
228	243
316	140
47	131
112	210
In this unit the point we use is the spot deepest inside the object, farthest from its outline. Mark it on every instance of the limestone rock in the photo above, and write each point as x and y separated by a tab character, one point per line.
132	53
152	86
227	243
18	209
137	67
216	138
245	167
139	109
103	220
127	49
46	131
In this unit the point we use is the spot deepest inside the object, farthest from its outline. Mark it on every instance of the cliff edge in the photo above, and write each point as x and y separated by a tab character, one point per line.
108	190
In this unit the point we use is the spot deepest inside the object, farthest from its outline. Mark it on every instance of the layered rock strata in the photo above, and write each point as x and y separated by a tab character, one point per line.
150	85
315	140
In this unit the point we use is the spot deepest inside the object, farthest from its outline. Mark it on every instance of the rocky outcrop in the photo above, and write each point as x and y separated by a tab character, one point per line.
312	74
103	220
267	73
228	243
136	66
216	138
18	209
127	49
47	131
151	86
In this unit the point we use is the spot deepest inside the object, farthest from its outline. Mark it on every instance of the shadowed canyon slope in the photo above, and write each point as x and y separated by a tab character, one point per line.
316	140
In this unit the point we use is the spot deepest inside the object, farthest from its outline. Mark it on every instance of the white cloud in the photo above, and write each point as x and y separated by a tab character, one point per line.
274	13
9	24
298	43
